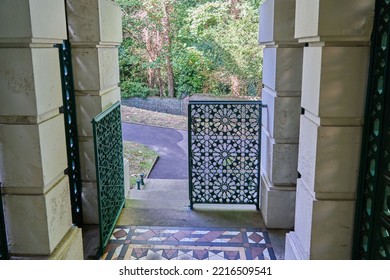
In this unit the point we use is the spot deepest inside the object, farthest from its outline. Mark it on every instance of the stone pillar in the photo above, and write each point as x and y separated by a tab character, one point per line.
95	31
335	71
32	134
282	72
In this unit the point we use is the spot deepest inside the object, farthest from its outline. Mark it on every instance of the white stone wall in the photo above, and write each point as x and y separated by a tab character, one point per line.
282	78
95	31
335	71
32	136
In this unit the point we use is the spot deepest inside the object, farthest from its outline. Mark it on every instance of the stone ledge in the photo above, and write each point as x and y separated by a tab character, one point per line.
293	250
277	204
71	246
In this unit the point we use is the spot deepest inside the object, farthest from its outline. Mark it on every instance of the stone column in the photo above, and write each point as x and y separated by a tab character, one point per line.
282	72
32	134
335	71
95	31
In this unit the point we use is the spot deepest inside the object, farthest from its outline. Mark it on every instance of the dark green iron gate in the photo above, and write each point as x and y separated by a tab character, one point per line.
107	130
224	152
69	110
3	237
372	239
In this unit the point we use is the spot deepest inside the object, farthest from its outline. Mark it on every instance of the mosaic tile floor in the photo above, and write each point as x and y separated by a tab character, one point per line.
181	243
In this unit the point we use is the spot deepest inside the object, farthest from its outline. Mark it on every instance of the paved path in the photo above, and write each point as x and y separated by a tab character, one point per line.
170	144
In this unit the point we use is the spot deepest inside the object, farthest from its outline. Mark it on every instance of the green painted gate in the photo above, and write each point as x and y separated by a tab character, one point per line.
107	130
372	238
224	152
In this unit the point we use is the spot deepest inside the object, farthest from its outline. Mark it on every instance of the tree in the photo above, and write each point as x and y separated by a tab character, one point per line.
226	32
167	6
176	47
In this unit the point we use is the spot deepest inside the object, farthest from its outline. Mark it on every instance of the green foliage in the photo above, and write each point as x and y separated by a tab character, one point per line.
131	66
229	42
214	47
191	70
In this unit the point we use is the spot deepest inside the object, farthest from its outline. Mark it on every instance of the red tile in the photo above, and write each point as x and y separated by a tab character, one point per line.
120	233
213	235
255	237
236	239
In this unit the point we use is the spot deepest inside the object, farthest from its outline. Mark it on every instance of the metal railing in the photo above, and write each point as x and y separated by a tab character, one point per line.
224	152
107	130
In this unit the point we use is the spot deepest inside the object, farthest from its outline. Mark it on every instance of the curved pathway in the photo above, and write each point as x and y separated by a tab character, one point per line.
170	144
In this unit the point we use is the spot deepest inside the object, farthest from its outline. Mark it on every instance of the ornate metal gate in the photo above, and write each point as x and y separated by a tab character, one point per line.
224	152
107	130
372	239
69	110
3	238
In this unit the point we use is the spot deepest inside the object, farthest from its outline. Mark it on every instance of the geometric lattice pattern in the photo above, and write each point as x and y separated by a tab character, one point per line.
373	222
181	243
224	152
107	128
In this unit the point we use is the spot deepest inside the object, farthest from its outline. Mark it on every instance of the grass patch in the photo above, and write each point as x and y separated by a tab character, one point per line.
141	159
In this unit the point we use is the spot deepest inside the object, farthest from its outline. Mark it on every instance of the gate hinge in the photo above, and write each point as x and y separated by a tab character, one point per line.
66	171
62	109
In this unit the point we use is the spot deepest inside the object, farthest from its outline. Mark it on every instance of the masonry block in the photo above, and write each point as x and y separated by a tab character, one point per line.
90	203
334	20
282	68
320	164
30	81
89	105
94	21
37	223
87	159
279	161
314	217
334	81
32	155
95	69
281	117
32	21
277	20
71	247
277	205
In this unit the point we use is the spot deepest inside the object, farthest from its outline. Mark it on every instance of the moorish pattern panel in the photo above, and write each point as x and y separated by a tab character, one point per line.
224	152
107	128
372	240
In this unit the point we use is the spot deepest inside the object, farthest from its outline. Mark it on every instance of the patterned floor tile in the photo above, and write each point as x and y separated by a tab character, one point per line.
165	243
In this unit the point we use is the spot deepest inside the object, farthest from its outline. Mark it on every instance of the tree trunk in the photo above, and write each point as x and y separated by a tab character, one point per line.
235	85
168	41
234	8
160	82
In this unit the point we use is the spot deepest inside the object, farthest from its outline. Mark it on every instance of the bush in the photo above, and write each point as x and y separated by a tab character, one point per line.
135	89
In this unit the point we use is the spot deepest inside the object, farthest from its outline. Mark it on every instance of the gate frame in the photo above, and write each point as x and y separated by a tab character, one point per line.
363	190
103	236
190	165
71	133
